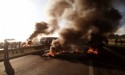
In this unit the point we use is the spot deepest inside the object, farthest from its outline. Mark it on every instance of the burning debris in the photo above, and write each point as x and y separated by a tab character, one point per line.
79	18
27	43
56	48
84	16
40	28
96	43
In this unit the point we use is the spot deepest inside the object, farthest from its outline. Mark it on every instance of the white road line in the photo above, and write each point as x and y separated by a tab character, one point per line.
91	72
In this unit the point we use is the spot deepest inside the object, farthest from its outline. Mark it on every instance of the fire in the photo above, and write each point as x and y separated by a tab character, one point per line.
92	50
52	52
27	43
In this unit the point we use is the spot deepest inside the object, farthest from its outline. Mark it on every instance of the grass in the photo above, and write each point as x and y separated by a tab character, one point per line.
112	43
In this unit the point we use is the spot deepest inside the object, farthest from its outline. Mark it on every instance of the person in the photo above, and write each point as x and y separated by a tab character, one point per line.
116	41
105	41
121	41
8	67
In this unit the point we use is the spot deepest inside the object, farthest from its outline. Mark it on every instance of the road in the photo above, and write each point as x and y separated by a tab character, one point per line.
109	64
36	65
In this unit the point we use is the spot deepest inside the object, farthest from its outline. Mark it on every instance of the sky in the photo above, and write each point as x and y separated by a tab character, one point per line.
120	6
18	18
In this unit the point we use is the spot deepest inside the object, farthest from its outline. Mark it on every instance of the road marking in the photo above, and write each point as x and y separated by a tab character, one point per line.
91	72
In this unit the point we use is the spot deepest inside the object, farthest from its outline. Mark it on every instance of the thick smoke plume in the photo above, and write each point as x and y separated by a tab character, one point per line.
79	17
75	19
120	5
40	28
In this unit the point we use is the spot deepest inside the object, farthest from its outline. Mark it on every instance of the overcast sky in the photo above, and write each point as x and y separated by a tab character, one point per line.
18	17
120	5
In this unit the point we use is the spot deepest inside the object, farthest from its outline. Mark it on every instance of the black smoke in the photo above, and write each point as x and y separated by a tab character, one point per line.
40	28
82	17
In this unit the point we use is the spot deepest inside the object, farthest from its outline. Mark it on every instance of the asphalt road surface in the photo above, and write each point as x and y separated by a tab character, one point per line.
109	64
35	65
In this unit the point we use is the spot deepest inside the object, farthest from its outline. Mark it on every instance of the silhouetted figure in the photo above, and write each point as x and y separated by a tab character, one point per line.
121	41
19	44
116	41
106	41
8	68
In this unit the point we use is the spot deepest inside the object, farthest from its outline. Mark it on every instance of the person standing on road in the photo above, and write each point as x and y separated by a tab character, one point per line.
8	67
116	41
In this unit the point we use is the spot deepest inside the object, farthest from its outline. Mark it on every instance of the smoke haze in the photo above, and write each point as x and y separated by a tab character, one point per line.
83	16
79	18
40	28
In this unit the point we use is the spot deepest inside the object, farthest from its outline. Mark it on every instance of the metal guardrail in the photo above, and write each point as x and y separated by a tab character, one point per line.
13	53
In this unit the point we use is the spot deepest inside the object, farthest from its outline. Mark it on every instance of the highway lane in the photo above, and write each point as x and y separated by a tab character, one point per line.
108	64
36	65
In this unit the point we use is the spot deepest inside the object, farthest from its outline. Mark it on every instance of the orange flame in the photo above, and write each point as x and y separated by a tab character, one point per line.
51	53
27	43
92	51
